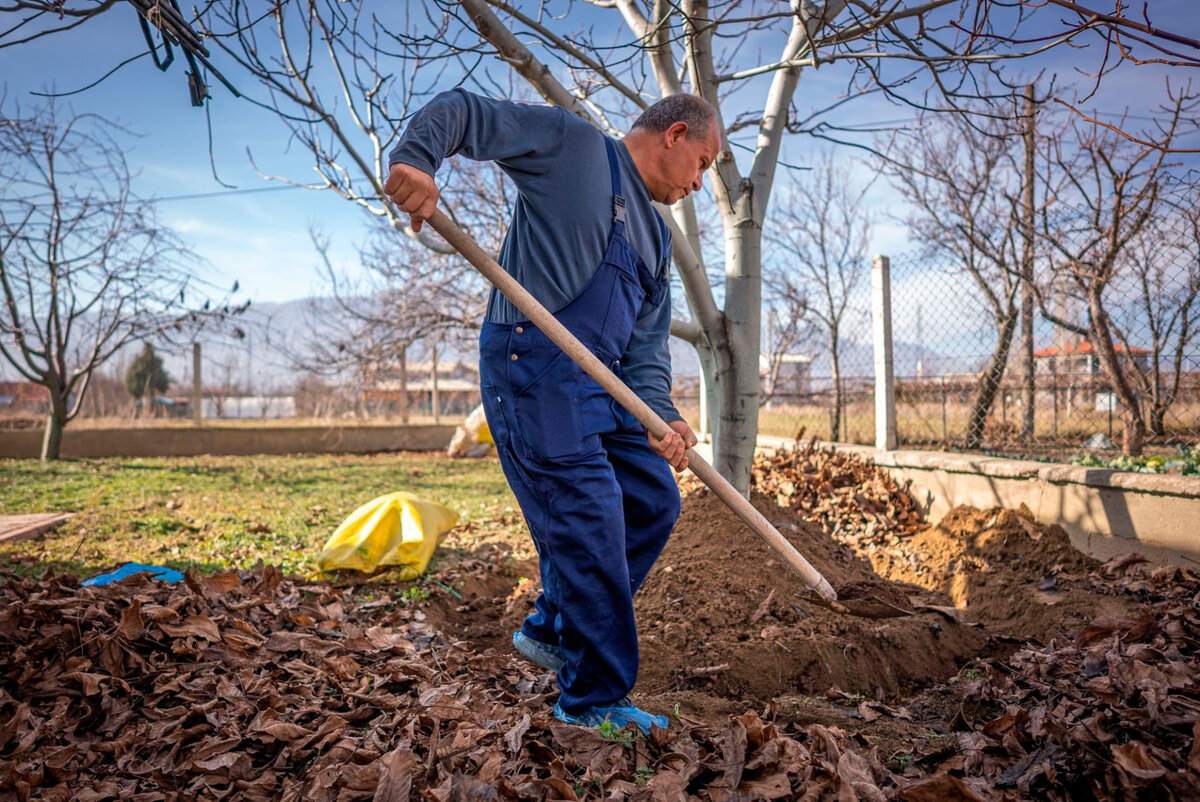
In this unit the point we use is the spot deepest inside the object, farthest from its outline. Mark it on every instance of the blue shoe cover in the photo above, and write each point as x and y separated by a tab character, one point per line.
547	656
620	716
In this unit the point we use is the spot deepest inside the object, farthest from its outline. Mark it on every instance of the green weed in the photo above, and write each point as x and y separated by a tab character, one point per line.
218	513
616	733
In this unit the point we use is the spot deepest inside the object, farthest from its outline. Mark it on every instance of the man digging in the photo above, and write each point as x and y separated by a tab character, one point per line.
595	488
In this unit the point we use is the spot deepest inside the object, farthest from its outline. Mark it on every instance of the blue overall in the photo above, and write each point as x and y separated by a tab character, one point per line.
599	502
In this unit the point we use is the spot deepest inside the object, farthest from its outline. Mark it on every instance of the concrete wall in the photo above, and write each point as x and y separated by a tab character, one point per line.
1105	512
176	441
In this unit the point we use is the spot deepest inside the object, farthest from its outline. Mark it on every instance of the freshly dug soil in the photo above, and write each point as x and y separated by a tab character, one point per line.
722	619
721	613
1018	578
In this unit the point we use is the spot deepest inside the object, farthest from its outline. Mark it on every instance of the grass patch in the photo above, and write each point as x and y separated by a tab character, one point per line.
217	513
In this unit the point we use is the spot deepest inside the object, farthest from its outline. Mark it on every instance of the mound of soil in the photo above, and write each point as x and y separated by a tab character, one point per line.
1001	568
721	613
723	619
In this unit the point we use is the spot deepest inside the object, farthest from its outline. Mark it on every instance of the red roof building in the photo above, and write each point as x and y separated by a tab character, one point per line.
23	397
1079	359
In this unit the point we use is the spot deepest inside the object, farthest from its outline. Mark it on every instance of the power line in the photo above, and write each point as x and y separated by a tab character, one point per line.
223	193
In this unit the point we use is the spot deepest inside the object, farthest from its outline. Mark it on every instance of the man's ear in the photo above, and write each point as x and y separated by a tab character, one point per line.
676	133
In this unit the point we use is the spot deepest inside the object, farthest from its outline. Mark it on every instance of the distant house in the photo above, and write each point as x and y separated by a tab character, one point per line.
1069	376
1080	360
457	389
23	398
242	407
790	382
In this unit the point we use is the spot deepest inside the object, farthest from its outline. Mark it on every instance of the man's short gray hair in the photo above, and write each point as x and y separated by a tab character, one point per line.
682	108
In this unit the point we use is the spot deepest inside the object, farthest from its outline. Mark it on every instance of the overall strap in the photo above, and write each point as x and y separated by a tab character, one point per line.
615	169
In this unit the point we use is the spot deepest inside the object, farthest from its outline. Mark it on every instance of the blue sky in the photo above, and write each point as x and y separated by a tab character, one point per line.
260	238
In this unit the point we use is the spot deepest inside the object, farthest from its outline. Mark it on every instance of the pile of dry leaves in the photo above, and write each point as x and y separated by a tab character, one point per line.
1114	714
252	687
847	495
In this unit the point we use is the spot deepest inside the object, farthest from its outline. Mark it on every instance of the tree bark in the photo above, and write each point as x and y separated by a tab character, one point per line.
1158	419
737	380
404	386
1028	388
1133	435
56	421
835	368
989	383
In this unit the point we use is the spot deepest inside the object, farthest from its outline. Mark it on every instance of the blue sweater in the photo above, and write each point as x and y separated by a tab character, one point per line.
563	212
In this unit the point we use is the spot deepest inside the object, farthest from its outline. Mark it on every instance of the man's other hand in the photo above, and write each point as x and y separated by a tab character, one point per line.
413	191
674	445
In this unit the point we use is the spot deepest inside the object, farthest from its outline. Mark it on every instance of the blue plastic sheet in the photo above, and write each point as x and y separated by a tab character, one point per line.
129	569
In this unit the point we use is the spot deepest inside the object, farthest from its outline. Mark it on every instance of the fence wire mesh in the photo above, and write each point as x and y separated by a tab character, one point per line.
1113	345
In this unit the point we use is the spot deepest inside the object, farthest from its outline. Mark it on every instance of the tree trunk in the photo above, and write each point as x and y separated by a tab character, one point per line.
708	398
1028	390
989	383
736	430
56	421
1100	334
835	368
1158	419
404	386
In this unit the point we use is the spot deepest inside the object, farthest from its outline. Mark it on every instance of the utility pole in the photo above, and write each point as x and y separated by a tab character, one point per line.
434	401
404	385
1028	390
197	387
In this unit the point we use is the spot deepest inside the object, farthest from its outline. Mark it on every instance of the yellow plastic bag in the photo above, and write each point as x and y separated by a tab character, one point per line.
472	437
396	529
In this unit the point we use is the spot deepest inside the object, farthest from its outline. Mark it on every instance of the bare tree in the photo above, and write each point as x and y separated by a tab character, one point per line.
971	185
669	47
822	235
1116	193
340	95
1163	265
914	52
406	294
1133	38
85	268
788	326
27	20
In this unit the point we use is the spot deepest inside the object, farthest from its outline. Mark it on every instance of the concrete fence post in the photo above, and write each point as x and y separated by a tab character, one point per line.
881	327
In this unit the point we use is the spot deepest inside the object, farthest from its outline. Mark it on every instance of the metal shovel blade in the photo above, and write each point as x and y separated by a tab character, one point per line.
869	599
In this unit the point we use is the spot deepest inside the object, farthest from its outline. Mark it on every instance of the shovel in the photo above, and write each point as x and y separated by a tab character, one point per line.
869	604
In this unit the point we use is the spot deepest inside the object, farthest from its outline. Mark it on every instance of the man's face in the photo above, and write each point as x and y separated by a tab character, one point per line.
683	162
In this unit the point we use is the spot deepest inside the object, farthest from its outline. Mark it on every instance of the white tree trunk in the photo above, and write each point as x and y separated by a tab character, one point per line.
736	382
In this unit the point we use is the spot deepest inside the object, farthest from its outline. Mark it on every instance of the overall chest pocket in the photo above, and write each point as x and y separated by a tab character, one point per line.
625	295
547	403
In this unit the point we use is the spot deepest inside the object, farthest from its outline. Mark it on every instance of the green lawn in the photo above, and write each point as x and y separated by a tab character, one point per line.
216	513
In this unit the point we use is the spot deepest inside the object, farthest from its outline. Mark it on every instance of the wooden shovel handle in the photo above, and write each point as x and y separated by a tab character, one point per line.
576	350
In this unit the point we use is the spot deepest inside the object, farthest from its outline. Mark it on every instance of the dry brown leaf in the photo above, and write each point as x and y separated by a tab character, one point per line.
199	626
940	788
132	624
1137	762
514	736
396	776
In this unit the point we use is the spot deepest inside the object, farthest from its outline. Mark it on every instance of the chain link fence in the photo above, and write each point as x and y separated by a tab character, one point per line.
1114	344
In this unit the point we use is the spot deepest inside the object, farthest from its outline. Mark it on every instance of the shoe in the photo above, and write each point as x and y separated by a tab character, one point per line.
547	656
622	715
